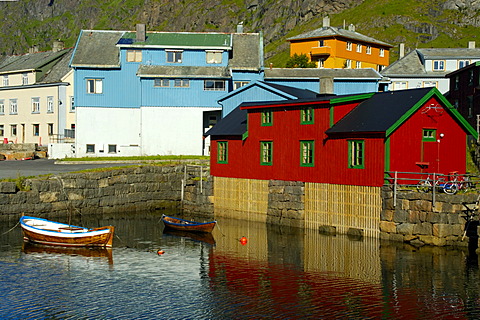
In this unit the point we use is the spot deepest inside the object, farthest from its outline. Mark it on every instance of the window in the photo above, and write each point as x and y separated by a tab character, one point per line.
380	67
50	129
5	81
470	77
307	153
429	135
457	82
24	78
222	152
427	84
174	56
49	104
438	65
463	63
134	55
321	43
349	46
90	148
382	52
267	118
35	105
13	106
181	83
321	63
356	154
359	48
72	104
95	86
36	129
112	148
160	82
214	56
2	130
239	84
369	50
399	85
358	65
348	63
13	130
2	106
306	115
214	85
266	153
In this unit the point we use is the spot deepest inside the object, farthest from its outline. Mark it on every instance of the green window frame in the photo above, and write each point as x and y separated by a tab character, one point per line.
307	153
429	135
266	153
356	154
306	115
222	152
267	117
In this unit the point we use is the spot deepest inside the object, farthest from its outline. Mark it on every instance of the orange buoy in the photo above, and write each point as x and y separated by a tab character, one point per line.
160	252
243	240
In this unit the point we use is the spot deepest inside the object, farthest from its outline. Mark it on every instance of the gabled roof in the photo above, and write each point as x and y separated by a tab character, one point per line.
247	51
234	124
329	32
155	71
316	73
410	64
384	112
97	49
59	70
29	61
179	40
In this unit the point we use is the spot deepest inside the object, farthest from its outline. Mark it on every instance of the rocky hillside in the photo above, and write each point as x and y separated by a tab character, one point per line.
436	23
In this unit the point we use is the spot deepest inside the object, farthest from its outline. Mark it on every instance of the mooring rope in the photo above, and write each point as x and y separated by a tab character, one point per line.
11	228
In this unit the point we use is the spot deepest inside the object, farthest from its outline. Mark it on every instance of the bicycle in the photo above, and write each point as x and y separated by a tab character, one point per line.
459	183
427	184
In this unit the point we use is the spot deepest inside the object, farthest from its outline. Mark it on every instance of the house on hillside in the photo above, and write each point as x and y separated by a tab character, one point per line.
332	47
423	68
36	97
155	93
342	140
463	92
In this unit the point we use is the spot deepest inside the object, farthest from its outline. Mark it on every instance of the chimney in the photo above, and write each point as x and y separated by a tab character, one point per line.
326	85
58	46
351	27
326	22
240	27
471	44
140	33
401	50
33	49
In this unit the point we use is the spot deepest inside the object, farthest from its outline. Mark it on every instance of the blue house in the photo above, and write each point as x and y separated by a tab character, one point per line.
155	93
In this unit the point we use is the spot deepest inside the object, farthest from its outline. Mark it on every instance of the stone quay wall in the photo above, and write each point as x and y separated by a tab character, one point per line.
129	189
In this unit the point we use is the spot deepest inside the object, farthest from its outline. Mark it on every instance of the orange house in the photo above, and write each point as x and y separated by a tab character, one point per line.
332	47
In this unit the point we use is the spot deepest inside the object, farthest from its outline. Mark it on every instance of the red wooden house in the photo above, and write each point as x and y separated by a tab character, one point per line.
350	140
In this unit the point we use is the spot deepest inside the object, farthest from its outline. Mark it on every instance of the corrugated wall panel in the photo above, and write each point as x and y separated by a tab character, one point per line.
343	207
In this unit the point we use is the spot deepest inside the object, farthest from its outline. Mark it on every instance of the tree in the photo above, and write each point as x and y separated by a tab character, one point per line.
300	61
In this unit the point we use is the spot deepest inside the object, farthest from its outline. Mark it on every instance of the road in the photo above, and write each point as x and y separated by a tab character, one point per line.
14	169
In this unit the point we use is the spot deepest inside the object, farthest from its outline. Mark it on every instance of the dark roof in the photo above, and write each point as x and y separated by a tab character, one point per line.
59	70
247	51
234	124
97	49
179	40
30	61
295	92
380	112
316	73
327	32
156	71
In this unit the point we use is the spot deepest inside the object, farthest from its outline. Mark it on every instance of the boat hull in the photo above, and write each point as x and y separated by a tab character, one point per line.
46	232
187	225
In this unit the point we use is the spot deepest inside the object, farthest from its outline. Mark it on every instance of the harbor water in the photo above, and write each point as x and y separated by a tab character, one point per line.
274	273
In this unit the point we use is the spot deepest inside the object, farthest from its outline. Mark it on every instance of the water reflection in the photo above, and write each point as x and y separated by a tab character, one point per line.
281	272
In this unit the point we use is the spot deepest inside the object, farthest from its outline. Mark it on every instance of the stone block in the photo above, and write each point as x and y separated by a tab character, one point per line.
8	187
387	215
49	196
441	230
386	226
424	228
432	241
327	230
405	228
421	205
400	216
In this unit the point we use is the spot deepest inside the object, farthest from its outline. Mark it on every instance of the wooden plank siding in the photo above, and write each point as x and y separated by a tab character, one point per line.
343	207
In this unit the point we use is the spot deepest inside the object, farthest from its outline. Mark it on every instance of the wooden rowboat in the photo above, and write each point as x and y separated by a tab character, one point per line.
38	230
187	225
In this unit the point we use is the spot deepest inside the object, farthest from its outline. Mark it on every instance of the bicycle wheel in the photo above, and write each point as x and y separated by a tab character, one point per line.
424	186
450	188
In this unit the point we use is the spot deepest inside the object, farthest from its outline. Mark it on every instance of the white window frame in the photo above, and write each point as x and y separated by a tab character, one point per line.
13	130
161	82
400	85
5	81
349	46
2	106
382	52
359	47
72	104
181	83
35	105
24	78
213	56
428	84
239	84
368	50
438	65
348	63
463	63
174	56
36	129
358	65
13	106
134	55
90	148
214	85
50	104
94	86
